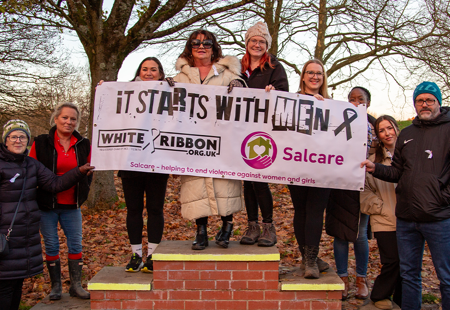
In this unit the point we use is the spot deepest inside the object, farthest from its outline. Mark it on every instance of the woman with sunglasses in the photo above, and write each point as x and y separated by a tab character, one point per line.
310	202
378	200
260	70
202	63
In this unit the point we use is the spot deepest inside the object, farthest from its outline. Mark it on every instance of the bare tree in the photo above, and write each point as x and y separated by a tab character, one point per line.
349	37
109	36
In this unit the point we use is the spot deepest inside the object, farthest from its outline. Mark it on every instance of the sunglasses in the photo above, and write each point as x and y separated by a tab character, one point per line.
207	44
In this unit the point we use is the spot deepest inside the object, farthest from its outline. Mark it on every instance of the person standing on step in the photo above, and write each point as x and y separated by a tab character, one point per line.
346	223
153	185
310	202
378	200
201	62
260	70
62	149
20	175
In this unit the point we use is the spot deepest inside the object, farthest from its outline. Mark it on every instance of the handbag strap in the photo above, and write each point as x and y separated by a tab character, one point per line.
17	208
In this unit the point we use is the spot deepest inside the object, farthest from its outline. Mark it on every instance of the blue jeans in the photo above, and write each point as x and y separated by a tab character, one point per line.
411	237
70	221
361	248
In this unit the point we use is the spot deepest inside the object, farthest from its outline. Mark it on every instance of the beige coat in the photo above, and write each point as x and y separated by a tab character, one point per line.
221	73
201	197
378	200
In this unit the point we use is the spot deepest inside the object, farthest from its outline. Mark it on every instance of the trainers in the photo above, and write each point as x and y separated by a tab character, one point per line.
269	235
251	234
148	266
135	263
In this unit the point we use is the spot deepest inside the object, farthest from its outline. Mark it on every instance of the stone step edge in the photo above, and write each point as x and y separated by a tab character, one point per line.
216	257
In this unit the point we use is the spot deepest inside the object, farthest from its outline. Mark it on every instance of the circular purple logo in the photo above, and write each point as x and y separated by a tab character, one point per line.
259	150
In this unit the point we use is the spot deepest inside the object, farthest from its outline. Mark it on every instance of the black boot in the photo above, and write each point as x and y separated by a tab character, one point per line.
311	268
54	270
76	290
201	239
224	234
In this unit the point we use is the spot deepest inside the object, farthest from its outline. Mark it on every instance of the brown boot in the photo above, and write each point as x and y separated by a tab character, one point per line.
345	292
311	268
252	233
269	235
323	265
362	289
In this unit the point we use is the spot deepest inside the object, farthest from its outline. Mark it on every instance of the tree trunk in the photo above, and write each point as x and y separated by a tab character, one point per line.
104	63
321	30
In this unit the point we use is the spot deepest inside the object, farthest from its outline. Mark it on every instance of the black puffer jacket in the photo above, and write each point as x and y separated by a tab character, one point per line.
46	154
421	169
275	77
25	257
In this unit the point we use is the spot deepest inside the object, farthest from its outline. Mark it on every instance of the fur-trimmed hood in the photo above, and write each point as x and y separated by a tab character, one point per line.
231	63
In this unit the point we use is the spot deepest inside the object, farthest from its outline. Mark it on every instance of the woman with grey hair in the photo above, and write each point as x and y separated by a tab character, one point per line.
62	149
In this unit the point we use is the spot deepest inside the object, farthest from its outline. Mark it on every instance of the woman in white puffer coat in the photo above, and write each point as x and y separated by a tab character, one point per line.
202	63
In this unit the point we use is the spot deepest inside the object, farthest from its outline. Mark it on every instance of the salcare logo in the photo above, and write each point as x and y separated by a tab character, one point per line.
259	150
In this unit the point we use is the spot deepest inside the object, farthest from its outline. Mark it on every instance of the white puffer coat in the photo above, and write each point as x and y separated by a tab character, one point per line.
201	197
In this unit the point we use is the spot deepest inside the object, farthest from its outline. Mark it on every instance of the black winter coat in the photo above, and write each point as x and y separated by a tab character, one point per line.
46	154
275	77
25	257
421	169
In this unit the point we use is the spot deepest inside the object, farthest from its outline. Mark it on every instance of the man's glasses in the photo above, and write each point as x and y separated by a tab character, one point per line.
20	138
312	73
207	44
428	102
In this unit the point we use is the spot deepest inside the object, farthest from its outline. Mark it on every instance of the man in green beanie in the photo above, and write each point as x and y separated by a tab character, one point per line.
421	167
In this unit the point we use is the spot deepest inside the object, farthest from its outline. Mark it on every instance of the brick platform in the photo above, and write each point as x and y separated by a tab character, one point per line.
240	277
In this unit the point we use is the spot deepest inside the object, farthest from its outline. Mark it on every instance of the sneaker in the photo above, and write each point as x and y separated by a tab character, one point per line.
135	263
269	235
251	234
148	266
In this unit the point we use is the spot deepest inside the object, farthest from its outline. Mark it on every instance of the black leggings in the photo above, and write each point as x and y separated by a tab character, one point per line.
258	193
204	220
154	186
309	204
10	294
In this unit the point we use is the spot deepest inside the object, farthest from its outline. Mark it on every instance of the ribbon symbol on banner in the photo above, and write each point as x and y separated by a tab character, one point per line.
346	123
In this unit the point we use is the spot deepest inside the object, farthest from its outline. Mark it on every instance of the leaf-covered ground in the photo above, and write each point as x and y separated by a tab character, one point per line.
105	243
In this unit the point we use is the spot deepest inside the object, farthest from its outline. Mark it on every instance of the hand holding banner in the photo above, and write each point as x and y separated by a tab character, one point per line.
249	134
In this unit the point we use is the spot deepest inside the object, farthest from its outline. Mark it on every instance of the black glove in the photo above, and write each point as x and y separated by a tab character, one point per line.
234	83
170	81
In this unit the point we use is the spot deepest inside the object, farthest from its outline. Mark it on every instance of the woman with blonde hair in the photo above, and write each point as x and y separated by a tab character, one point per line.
310	202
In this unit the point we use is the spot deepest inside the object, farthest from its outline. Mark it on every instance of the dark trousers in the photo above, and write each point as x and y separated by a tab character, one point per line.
258	193
309	205
388	282
154	187
10	294
204	220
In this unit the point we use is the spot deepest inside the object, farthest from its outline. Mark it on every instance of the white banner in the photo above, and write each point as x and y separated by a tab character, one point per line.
249	134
